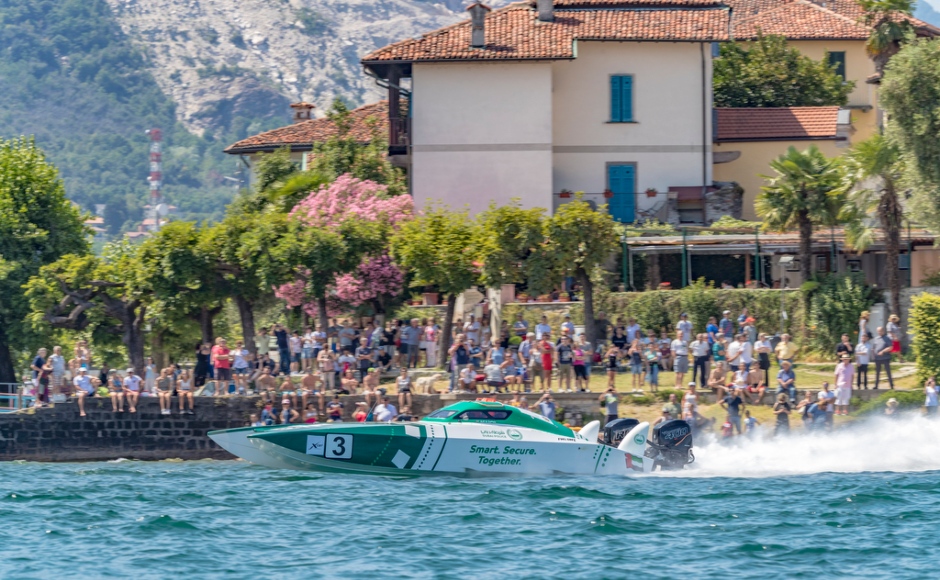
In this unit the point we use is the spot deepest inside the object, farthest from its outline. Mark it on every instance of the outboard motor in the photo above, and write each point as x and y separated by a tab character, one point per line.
670	447
615	431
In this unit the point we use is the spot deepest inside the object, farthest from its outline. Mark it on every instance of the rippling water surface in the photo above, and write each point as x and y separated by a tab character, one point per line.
788	515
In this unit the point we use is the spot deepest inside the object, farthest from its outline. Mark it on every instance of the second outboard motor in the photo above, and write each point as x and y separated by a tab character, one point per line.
615	431
670	447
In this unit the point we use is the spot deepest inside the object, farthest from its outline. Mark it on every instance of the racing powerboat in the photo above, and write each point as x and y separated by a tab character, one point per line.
469	438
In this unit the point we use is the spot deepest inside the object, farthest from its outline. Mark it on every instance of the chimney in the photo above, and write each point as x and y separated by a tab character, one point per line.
301	111
478	12
546	11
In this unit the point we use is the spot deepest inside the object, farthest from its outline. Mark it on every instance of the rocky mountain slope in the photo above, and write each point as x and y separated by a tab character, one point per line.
218	59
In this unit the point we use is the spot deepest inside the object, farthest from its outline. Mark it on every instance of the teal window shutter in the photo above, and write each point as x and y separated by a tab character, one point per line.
616	99
837	59
626	95
621	98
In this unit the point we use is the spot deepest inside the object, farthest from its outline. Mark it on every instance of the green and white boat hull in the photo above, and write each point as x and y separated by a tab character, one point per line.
429	448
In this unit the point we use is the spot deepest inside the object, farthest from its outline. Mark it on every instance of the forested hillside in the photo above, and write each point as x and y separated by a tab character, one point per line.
71	78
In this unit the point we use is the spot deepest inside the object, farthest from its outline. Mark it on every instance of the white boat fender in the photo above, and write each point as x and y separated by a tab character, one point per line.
634	445
589	432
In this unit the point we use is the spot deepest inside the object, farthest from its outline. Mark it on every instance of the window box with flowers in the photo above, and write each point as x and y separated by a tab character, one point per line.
608	193
565	193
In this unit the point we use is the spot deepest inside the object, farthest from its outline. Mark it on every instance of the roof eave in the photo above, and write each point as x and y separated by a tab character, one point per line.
795	138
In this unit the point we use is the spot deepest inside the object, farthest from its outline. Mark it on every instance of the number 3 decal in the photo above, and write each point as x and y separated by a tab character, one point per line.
339	446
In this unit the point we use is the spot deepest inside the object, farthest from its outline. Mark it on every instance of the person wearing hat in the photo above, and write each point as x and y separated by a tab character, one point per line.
845	373
893	329
287	414
891	408
131	385
83	388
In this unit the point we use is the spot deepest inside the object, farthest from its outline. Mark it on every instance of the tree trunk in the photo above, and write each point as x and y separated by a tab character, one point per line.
134	340
7	371
890	217
806	265
206	322
156	349
587	288
247	316
447	330
322	317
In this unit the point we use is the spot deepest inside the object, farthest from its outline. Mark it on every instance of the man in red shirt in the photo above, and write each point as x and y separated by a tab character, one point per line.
547	350
222	361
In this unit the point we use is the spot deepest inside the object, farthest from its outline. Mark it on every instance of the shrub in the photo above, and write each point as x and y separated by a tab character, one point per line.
698	300
907	400
650	311
835	305
663	394
925	325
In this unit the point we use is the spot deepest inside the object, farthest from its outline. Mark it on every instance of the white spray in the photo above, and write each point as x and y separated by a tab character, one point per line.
909	443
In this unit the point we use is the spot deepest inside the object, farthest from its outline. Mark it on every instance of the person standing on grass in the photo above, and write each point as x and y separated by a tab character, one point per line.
881	350
844	347
283	347
680	353
547	354
613	354
893	329
845	372
565	356
664	344
701	354
782	415
685	327
720	354
725	326
652	358
733	403
785	351
414	342
930	394
636	365
862	359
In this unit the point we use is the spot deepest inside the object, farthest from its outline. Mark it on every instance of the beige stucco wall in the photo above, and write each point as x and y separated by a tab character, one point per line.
924	262
755	161
666	139
482	132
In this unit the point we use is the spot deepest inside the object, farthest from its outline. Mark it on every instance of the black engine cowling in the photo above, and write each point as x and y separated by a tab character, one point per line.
671	444
615	431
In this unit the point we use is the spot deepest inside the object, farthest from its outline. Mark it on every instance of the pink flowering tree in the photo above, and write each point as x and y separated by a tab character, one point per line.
341	232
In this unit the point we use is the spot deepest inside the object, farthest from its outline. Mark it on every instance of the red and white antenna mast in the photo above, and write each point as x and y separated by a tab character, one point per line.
156	165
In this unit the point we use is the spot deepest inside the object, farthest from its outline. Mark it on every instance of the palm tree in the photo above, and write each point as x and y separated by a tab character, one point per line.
876	162
808	189
887	19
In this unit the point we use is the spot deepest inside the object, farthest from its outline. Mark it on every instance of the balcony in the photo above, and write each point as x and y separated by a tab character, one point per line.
399	136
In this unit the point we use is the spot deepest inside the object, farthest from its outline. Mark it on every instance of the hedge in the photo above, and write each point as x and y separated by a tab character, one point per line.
924	320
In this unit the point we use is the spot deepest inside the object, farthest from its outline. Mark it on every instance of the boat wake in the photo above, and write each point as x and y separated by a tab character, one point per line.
908	444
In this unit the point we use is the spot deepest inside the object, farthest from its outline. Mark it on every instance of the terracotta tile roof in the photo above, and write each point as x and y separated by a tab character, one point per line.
801	20
806	20
631	3
301	136
514	33
771	124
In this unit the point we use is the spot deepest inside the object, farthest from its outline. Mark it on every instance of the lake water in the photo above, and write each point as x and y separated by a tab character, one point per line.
862	502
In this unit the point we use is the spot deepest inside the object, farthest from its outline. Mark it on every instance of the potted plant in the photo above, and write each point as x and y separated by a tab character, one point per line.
665	286
651	192
522	297
416	300
608	193
565	193
563	297
430	298
545	298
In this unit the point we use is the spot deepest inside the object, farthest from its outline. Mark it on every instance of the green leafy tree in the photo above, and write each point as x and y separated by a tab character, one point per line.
102	294
242	249
769	73
439	249
176	267
890	24
876	160
345	152
581	240
910	94
836	304
38	225
699	301
807	189
511	248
